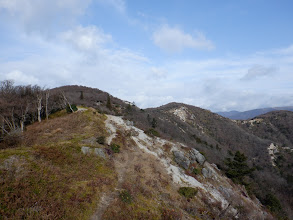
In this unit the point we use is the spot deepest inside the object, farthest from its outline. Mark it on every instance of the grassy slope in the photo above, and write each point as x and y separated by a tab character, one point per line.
48	177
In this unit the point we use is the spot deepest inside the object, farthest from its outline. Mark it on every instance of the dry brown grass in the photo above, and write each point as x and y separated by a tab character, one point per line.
67	127
49	177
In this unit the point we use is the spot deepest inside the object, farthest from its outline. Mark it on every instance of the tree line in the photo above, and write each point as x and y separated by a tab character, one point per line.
22	105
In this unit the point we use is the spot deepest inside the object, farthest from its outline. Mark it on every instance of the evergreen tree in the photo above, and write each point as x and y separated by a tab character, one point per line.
109	105
154	123
238	168
149	118
81	95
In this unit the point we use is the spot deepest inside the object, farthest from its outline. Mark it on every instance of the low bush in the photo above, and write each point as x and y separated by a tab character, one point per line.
13	139
115	148
170	214
187	192
153	132
73	106
125	196
101	140
272	203
195	171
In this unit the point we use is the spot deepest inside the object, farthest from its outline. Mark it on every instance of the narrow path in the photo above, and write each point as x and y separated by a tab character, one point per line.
122	163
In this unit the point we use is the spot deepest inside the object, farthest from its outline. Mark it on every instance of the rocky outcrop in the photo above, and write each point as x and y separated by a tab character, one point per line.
100	152
181	160
207	173
196	156
97	151
86	150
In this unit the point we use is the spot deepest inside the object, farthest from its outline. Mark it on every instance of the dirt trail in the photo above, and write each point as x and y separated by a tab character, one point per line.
123	164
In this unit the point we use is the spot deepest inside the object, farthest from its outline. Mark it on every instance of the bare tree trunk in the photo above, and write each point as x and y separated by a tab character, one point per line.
47	98
21	126
10	125
12	120
66	101
39	103
2	127
23	118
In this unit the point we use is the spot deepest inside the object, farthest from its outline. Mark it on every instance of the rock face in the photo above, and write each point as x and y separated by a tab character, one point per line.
97	151
207	173
194	155
181	160
85	150
129	123
100	152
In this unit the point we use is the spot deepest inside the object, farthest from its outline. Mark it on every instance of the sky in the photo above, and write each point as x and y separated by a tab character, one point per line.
218	55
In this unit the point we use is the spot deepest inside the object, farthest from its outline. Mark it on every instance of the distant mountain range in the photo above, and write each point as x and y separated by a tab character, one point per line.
236	115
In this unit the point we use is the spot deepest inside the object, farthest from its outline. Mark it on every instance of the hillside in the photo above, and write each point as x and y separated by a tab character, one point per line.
278	128
144	156
218	137
64	177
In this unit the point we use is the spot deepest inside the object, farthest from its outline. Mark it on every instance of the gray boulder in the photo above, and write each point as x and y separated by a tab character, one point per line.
181	160
129	123
86	150
194	155
100	152
97	151
207	173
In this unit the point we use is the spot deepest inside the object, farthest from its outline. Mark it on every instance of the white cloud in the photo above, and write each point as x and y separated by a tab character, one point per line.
285	51
209	83
21	78
175	40
86	38
158	73
86	55
259	71
119	5
42	15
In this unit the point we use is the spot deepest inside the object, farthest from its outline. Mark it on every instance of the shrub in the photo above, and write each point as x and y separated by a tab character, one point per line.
238	168
73	106
187	192
195	171
115	148
154	123
153	132
13	139
109	104
101	140
170	214
125	196
272	203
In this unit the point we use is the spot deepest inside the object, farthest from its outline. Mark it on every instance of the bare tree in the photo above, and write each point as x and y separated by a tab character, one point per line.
7	106
39	106
23	117
15	102
2	127
66	102
47	99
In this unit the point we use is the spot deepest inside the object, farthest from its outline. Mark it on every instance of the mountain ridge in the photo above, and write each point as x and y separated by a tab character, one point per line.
214	136
237	115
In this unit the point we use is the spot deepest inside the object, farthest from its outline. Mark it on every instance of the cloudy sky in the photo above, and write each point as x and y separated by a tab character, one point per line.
218	55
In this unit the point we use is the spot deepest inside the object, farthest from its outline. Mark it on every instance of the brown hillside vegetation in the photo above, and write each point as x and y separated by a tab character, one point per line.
136	172
49	177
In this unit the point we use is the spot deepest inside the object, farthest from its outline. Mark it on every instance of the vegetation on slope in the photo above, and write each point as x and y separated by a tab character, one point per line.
48	177
61	138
